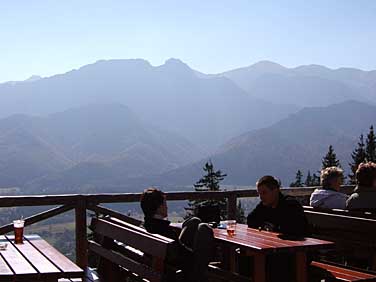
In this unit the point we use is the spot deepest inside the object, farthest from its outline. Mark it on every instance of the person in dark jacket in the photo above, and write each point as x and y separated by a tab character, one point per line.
277	212
195	242
364	196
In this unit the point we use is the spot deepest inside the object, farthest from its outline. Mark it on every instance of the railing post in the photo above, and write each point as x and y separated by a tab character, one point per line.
231	206
81	239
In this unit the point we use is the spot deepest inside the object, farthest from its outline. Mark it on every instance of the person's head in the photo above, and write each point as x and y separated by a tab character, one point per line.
331	177
268	188
153	202
366	174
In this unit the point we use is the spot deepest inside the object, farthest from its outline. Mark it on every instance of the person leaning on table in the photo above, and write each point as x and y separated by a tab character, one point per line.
278	213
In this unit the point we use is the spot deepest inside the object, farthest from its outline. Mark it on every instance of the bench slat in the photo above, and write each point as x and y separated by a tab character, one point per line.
125	262
144	242
344	274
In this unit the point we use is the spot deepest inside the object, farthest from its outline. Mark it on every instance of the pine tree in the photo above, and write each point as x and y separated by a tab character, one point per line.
315	180
209	182
298	180
330	159
358	156
309	180
371	146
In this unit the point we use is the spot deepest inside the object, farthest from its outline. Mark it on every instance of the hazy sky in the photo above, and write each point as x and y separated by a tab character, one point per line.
49	37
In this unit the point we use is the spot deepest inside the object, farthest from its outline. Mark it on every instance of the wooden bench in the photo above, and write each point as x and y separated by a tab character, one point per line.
360	214
331	272
354	236
139	253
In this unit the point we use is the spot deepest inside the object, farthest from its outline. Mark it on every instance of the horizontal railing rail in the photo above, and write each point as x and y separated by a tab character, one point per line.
81	203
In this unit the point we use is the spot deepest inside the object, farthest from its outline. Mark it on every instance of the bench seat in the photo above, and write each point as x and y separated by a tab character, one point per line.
336	273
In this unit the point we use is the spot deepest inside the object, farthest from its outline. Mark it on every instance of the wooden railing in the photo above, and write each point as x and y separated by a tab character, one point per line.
82	203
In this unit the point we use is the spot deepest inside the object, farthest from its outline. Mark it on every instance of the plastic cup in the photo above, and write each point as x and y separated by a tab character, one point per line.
18	231
231	226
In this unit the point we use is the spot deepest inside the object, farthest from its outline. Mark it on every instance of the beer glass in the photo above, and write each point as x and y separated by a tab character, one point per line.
18	231
231	225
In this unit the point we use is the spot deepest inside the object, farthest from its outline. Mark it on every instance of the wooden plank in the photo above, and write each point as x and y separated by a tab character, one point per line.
139	240
137	228
259	268
19	265
231	206
301	266
6	274
38	217
112	213
266	241
39	262
81	240
70	269
343	273
131	265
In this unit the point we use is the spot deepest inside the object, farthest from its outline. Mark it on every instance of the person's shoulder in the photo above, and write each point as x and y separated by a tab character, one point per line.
291	202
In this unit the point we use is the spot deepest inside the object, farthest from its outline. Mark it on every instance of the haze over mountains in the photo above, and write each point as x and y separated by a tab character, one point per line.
120	123
307	86
296	142
171	96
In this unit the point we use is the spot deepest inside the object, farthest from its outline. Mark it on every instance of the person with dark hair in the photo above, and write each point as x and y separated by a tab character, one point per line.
364	196
195	242
277	212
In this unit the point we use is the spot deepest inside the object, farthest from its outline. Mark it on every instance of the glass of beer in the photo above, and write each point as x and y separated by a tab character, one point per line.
18	231
231	225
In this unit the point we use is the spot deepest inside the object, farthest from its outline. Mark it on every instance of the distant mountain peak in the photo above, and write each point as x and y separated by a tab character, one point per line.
267	65
174	63
176	66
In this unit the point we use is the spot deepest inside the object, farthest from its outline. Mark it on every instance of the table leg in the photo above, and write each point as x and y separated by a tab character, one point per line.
301	266
259	270
229	258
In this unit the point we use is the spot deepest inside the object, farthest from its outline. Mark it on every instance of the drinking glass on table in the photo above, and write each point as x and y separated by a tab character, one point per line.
18	231
231	225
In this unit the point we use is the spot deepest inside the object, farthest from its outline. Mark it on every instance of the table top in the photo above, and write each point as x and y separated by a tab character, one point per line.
264	241
35	259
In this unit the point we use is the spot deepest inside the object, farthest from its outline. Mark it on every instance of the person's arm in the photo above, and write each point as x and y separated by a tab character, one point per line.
255	218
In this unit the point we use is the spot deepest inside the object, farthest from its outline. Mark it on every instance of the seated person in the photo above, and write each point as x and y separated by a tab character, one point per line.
364	196
277	212
195	242
328	196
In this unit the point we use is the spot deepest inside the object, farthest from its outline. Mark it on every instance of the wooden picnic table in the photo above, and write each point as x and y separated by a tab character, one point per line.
258	244
34	260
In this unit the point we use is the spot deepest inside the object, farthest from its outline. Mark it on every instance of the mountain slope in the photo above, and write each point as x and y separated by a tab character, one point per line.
207	111
80	142
297	142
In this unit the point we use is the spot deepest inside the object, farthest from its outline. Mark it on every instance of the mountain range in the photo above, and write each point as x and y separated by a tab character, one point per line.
206	111
306	86
125	124
296	142
96	142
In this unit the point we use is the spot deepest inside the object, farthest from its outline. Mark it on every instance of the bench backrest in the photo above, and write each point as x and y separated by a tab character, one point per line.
360	214
342	228
153	246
